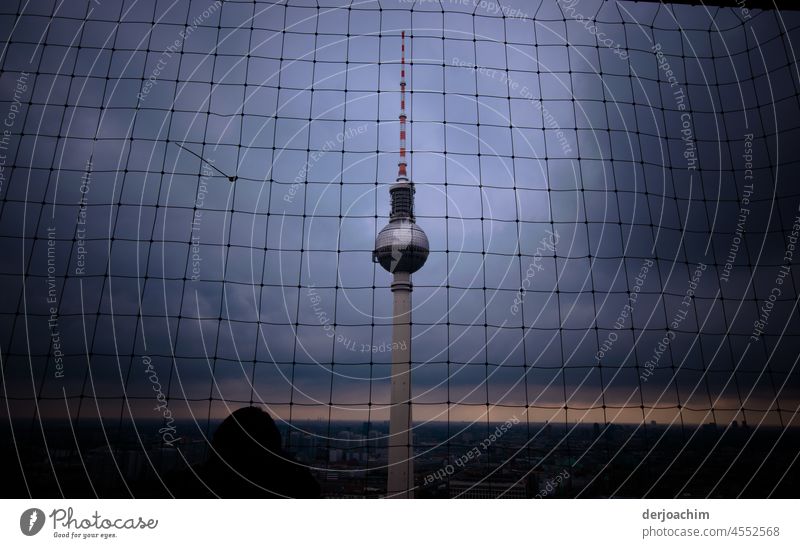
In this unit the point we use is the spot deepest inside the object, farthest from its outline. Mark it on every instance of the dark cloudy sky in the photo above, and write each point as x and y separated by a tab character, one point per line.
570	126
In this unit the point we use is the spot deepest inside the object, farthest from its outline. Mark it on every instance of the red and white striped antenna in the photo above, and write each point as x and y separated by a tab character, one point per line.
401	166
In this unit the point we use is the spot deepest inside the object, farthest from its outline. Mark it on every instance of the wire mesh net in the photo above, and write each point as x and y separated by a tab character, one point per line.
191	192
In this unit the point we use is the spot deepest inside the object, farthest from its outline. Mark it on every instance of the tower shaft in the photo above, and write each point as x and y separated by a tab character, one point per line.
401	465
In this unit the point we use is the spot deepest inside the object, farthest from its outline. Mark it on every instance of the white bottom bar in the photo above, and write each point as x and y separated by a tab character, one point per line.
403	523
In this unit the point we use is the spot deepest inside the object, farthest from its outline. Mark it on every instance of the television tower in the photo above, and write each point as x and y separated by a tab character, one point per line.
401	247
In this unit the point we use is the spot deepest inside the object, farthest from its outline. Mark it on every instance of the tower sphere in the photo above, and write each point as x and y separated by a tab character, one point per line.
401	246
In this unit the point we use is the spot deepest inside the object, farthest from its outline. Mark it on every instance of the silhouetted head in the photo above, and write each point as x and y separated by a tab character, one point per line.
247	433
246	461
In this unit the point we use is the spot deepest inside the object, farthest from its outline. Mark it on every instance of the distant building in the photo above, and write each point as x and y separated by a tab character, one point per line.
487	490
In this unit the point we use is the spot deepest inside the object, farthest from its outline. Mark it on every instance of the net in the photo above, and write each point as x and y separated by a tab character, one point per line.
191	191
